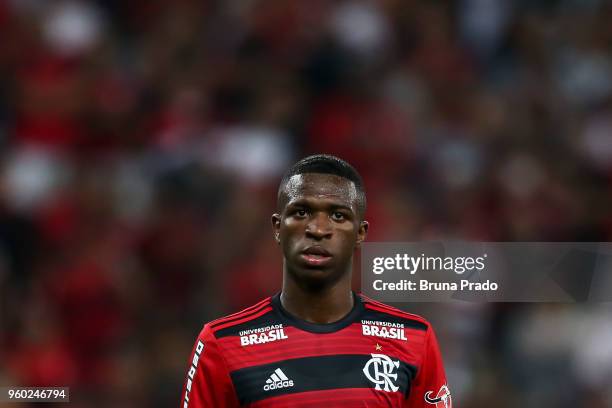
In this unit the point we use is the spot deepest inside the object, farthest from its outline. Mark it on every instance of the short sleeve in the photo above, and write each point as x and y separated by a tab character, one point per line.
208	383
430	388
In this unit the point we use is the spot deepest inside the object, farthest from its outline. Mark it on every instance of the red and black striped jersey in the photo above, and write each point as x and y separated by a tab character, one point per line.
376	356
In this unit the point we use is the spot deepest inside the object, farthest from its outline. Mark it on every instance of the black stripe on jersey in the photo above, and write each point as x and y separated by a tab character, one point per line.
267	319
408	323
314	374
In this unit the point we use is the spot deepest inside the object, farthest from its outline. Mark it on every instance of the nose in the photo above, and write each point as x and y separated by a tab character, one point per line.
318	227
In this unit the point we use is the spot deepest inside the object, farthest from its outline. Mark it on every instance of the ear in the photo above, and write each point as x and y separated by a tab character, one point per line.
362	233
276	223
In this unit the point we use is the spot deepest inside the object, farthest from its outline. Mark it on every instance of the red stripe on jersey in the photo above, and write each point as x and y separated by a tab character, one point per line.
336	398
241	314
395	312
243	320
383	305
246	311
372	302
304	344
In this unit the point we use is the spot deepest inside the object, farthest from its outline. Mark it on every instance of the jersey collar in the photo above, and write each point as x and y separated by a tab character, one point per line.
291	320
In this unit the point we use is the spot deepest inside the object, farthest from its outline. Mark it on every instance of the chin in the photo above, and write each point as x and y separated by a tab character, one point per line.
314	278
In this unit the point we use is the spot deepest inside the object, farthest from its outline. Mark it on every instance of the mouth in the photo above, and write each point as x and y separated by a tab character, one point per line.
316	256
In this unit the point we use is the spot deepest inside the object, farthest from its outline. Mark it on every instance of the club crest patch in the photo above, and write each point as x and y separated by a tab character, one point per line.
442	398
382	372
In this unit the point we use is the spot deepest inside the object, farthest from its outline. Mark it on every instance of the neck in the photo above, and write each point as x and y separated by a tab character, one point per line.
326	304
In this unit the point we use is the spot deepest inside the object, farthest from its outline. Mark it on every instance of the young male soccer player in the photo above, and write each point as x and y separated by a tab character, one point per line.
316	343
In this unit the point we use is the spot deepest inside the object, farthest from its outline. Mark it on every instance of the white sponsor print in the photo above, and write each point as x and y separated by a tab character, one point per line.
382	371
262	335
192	370
277	380
442	398
385	330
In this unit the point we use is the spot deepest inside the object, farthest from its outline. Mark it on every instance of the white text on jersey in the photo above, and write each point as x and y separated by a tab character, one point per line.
192	370
383	329
262	335
277	380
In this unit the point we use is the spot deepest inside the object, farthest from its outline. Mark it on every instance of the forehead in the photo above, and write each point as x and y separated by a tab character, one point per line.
321	186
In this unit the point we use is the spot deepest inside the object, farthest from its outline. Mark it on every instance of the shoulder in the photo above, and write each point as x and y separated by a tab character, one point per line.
379	311
233	323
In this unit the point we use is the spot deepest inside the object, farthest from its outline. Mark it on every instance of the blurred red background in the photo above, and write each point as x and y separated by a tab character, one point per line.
142	143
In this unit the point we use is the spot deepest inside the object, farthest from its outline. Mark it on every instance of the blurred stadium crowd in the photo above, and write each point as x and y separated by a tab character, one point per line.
142	141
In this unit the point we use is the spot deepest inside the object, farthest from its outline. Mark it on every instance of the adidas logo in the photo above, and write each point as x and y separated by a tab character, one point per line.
277	380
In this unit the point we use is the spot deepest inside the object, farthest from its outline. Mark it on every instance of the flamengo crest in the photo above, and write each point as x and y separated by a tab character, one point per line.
382	371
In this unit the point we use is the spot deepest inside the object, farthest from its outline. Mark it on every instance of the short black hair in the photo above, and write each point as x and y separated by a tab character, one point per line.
326	164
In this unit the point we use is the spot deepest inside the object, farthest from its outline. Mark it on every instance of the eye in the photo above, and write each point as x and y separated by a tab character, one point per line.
300	212
338	216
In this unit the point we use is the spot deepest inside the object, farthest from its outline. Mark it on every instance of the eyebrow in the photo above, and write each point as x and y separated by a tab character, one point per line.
306	202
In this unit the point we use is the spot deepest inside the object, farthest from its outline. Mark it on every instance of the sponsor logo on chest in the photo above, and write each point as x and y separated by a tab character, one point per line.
262	335
277	380
385	330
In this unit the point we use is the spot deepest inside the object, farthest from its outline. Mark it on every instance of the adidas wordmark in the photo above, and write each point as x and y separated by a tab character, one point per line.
277	380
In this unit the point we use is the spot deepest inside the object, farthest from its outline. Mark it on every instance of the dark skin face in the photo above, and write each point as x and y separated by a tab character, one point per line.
318	229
